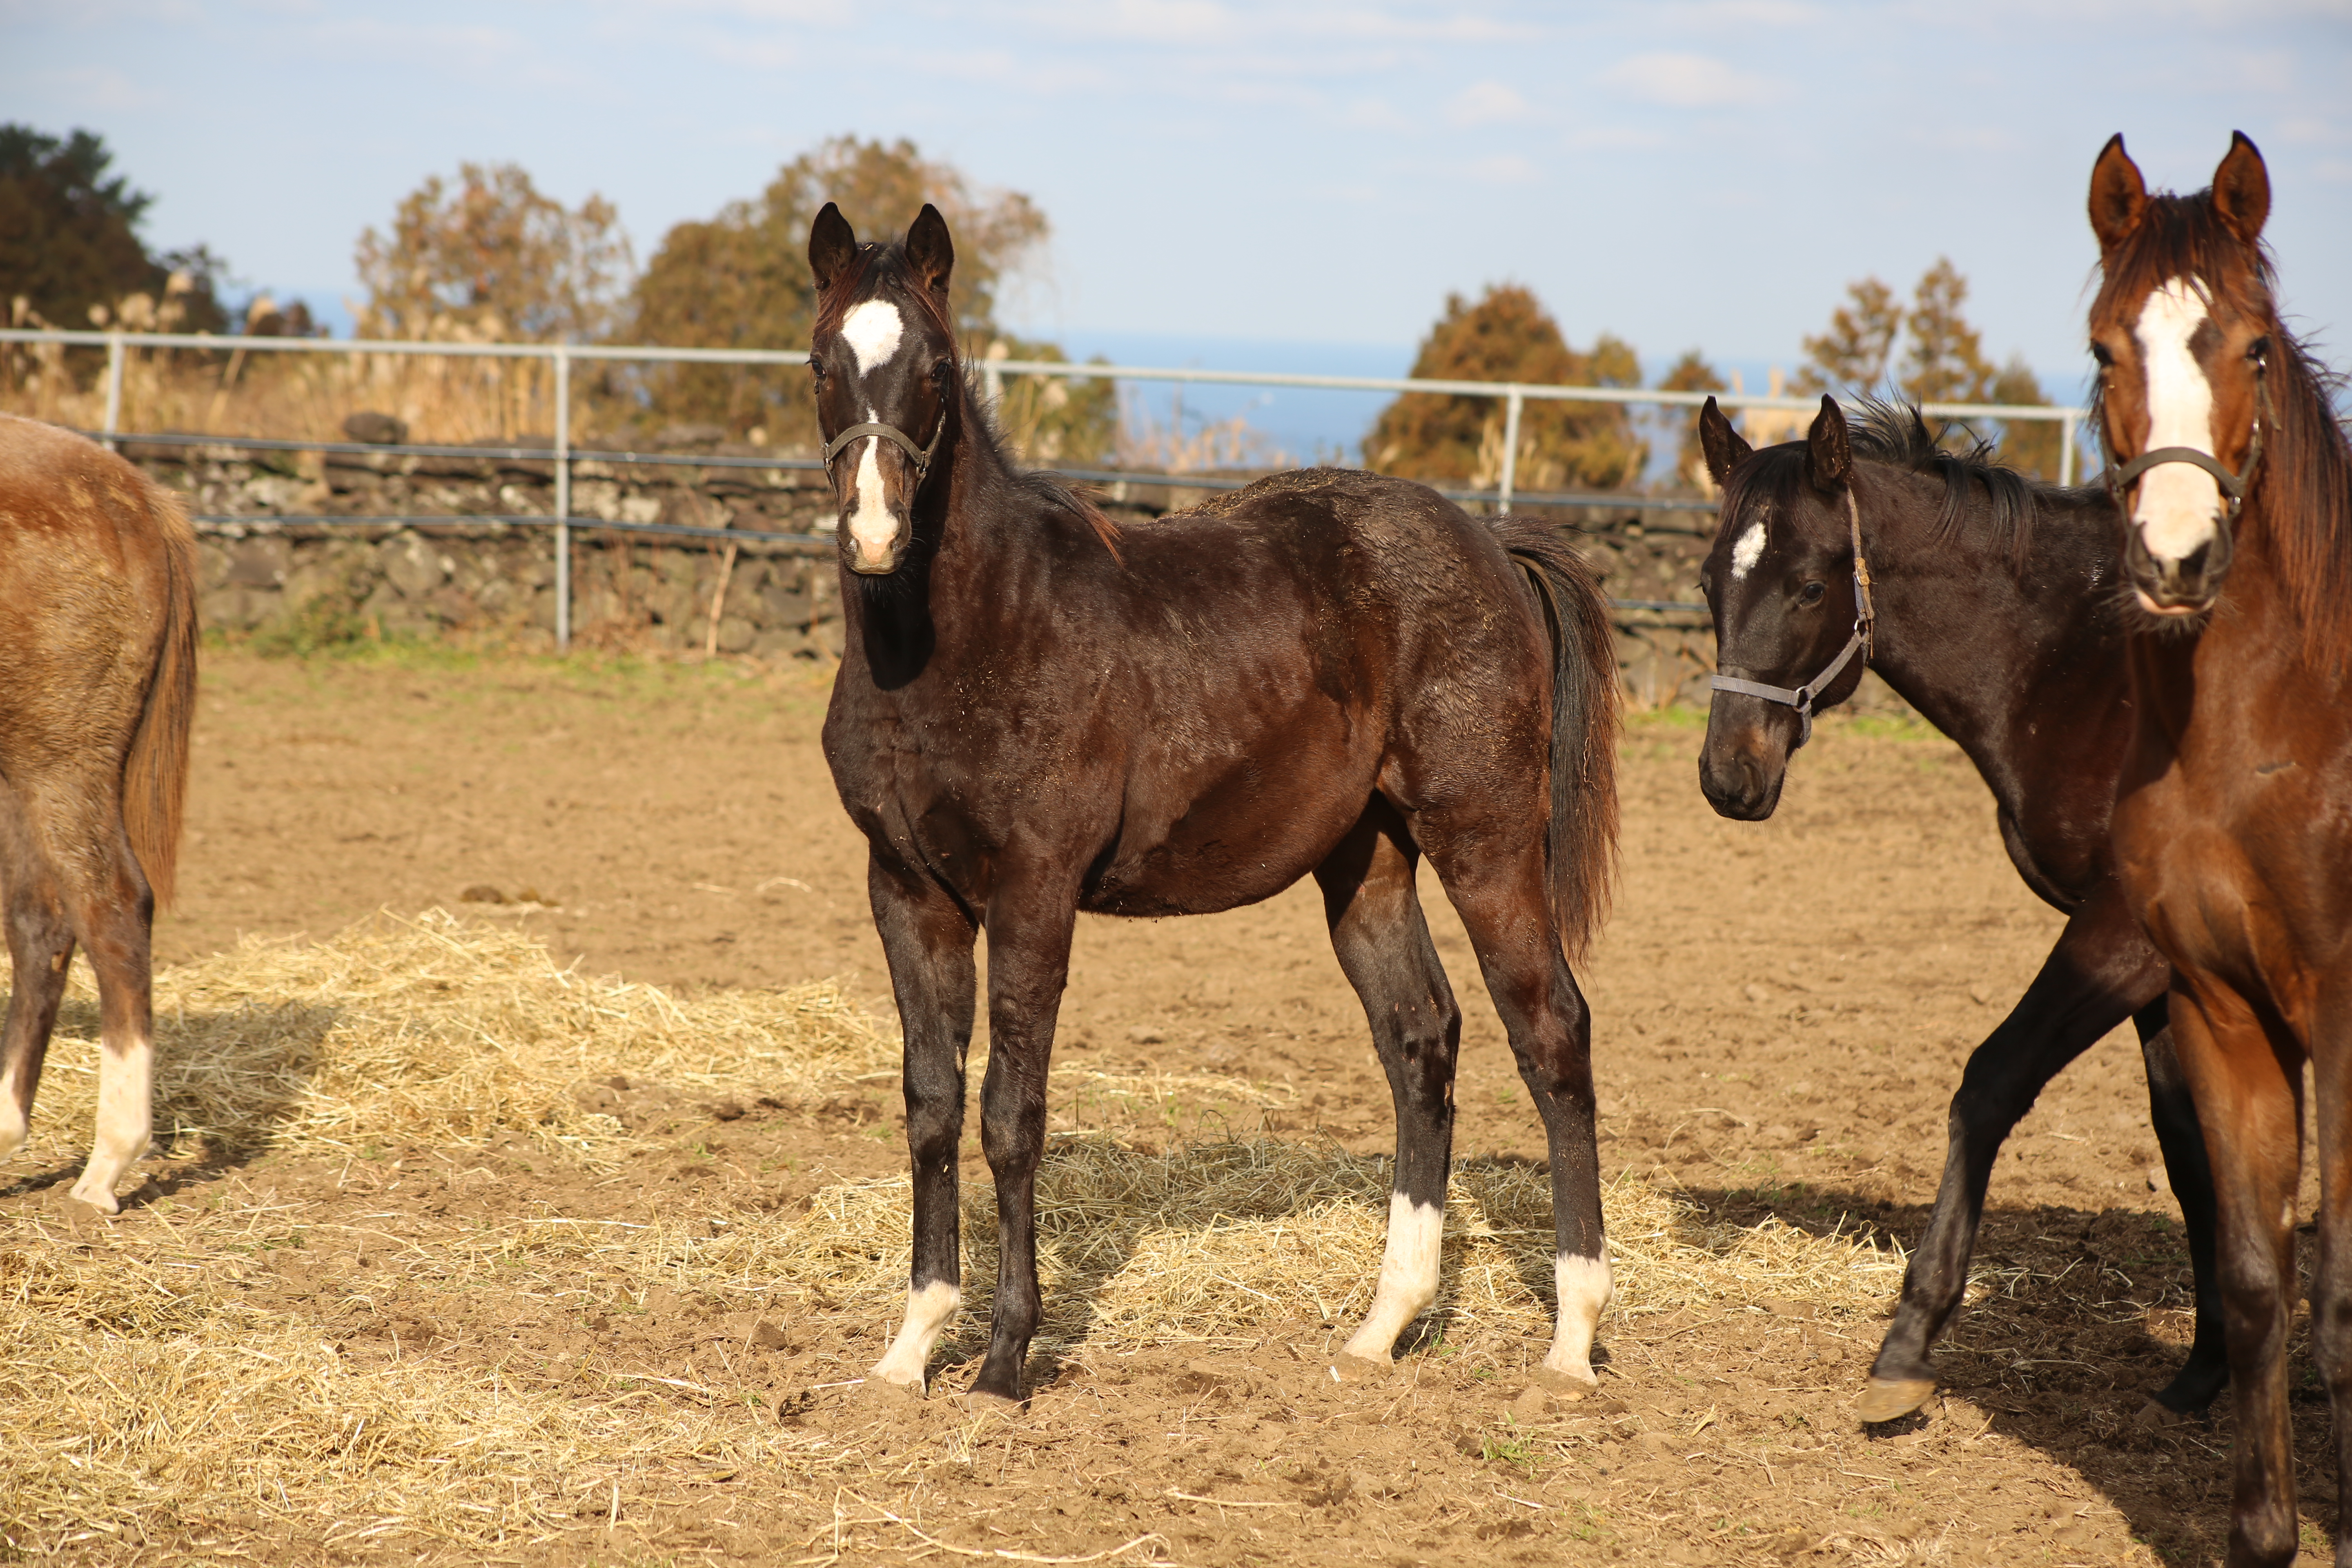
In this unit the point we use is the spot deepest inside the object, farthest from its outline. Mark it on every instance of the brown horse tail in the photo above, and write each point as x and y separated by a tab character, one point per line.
1581	843
155	772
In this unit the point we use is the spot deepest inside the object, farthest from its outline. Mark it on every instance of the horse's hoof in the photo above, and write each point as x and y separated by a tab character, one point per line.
1892	1398
1563	1385
1346	1368
986	1402
889	1390
2155	1414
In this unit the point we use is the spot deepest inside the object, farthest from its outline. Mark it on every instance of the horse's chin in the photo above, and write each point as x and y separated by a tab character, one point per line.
2171	611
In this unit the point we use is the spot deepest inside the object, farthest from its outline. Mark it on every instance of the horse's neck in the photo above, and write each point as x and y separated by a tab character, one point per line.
908	626
1971	643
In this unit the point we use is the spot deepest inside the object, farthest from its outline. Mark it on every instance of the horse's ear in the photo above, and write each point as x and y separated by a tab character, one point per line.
1829	454
1723	448
2241	189
832	242
930	250
2118	195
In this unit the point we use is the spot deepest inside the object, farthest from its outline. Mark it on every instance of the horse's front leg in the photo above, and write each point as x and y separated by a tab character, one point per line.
1030	924
2101	970
2249	1091
928	938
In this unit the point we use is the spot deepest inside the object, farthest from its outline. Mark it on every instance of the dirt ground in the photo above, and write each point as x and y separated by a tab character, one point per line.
1781	1013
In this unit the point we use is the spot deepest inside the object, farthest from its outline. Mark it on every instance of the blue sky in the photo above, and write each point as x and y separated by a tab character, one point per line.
1684	173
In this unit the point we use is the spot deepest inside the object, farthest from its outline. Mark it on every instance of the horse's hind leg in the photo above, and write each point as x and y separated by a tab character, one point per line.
928	938
112	910
1494	873
40	946
2101	968
1384	947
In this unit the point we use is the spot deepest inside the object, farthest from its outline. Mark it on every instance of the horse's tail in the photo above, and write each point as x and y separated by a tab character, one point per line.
155	770
1581	840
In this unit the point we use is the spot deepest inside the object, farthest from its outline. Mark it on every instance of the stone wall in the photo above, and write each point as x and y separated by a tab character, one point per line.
267	570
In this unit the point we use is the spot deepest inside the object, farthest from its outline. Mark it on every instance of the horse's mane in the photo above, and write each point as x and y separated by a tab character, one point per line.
1984	496
2304	485
1003	482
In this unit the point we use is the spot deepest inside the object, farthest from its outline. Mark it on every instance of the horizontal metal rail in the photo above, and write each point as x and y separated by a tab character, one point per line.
563	455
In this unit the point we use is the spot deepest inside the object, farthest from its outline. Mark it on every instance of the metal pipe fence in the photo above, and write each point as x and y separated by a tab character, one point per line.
562	456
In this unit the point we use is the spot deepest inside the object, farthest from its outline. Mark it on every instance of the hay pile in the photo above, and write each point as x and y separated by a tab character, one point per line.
146	1398
433	1031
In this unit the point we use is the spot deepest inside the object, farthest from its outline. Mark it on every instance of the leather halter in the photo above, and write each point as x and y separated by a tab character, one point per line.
1866	621
920	455
2233	486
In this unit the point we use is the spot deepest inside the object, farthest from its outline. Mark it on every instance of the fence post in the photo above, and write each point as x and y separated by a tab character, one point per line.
562	498
2066	449
113	388
1510	450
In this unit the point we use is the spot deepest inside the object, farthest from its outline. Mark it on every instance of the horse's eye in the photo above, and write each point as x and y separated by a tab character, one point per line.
2259	349
2099	351
1810	594
816	367
942	372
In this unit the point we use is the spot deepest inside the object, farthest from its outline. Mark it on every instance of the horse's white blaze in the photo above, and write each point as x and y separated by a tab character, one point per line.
871	527
872	331
1584	1289
1408	1282
2179	504
125	1118
928	1312
1748	551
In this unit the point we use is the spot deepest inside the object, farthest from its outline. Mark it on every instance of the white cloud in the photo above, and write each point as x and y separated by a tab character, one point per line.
104	88
1601	138
1373	114
1690	81
1487	103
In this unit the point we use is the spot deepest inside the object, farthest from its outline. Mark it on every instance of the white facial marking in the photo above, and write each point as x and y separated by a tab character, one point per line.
2177	502
871	331
1408	1282
928	1312
125	1118
1584	1289
1748	551
871	527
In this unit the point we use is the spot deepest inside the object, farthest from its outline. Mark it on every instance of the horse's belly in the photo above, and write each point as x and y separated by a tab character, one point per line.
1230	847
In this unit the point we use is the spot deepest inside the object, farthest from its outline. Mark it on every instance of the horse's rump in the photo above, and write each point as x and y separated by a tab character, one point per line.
97	560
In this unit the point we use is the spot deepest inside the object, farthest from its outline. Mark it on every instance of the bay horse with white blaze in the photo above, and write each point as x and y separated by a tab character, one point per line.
98	684
2233	833
1991	610
1329	673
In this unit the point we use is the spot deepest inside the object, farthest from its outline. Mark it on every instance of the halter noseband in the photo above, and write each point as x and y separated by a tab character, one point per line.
1866	621
2233	486
920	455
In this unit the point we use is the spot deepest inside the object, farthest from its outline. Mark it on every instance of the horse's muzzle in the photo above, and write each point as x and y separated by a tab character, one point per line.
875	551
2182	586
1740	771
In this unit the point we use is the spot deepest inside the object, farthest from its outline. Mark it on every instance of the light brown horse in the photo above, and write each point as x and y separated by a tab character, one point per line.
2233	825
98	684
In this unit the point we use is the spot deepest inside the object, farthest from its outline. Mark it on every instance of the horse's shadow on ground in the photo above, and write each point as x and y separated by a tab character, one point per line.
2075	1316
205	1125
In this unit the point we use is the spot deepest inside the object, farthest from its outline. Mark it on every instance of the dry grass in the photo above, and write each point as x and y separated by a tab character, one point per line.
143	1397
429	1030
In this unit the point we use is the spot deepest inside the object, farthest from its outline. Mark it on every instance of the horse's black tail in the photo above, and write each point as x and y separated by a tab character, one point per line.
1581	842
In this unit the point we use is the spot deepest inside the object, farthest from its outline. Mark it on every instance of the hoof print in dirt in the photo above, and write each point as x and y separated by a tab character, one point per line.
482	893
2156	1417
766	1335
